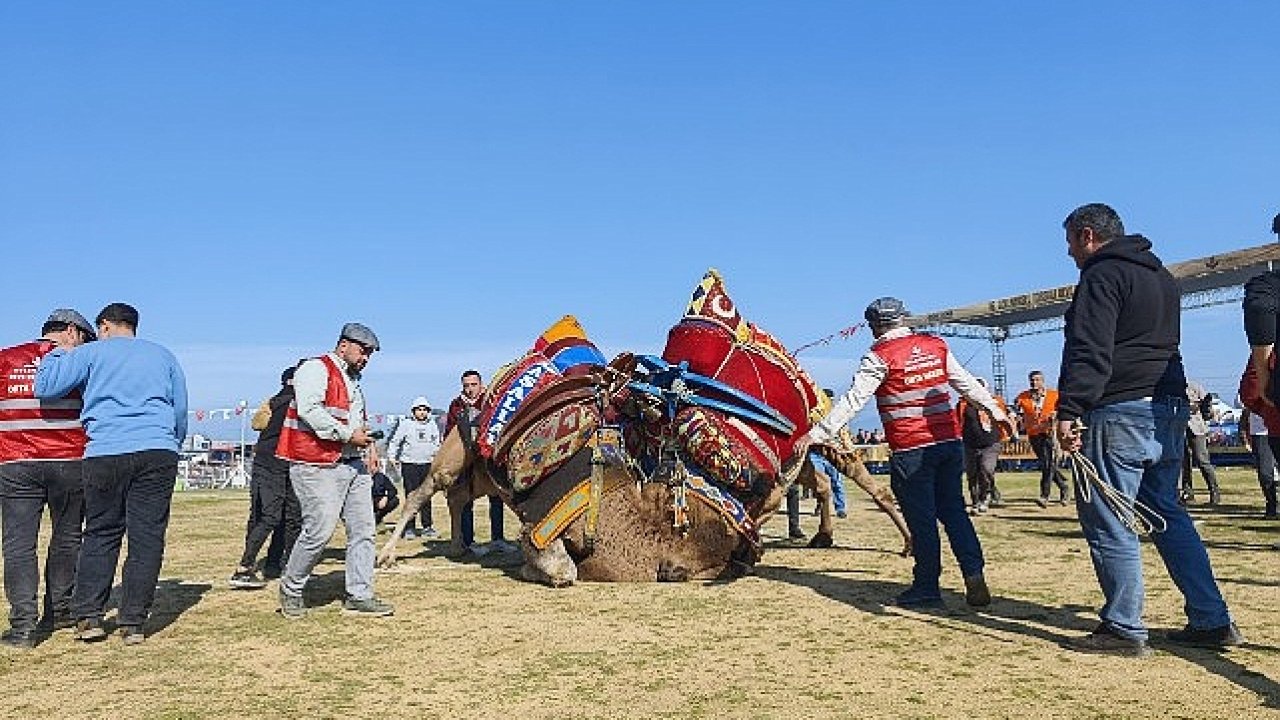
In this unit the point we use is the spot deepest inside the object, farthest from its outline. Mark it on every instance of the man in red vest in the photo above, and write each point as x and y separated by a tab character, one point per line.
323	437
41	447
911	376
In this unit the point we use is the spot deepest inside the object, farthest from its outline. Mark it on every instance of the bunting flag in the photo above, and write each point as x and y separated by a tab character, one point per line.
844	334
242	408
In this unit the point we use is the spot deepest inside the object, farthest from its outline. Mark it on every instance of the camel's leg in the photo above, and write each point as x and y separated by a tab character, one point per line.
458	496
412	504
551	566
451	459
851	467
822	491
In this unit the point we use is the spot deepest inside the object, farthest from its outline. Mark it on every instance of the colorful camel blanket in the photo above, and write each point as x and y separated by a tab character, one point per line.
542	444
716	342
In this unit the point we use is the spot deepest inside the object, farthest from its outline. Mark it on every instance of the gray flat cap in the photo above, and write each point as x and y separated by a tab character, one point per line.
356	332
71	317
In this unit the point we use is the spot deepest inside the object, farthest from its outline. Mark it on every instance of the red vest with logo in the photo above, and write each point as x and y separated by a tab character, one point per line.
32	429
915	398
298	442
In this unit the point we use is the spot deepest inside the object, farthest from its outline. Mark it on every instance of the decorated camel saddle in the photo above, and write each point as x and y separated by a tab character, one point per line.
727	403
734	399
544	407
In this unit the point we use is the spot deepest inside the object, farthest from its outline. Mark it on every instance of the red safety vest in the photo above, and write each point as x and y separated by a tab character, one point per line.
33	429
298	442
915	398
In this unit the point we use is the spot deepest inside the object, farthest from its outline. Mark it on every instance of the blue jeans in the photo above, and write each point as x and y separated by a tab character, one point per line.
837	480
1137	447
926	482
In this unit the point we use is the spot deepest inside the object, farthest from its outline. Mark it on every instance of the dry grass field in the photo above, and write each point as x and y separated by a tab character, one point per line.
809	636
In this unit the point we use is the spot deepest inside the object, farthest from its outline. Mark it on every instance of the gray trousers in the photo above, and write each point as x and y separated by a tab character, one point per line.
1198	454
327	494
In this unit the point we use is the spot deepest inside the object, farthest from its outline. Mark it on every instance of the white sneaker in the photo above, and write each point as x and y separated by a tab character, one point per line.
479	550
429	533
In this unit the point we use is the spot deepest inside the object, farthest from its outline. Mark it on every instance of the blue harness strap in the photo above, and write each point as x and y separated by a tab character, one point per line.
677	384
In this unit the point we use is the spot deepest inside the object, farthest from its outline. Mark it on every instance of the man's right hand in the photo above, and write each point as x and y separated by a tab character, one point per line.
1068	432
360	438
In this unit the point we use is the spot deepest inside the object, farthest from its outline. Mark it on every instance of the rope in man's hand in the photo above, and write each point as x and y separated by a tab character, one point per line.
1135	515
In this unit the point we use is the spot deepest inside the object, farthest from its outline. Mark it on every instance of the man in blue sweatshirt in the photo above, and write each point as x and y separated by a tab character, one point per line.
135	416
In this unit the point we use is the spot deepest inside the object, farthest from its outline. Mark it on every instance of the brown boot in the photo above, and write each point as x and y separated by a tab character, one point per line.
976	593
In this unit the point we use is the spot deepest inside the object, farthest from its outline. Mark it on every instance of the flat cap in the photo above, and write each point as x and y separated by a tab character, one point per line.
885	311
356	332
71	317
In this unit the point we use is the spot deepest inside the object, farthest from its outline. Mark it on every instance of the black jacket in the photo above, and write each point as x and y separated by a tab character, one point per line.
974	435
382	487
1123	330
264	451
1262	316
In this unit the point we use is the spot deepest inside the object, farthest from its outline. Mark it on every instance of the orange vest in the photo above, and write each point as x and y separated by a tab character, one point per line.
915	397
298	442
30	428
1037	423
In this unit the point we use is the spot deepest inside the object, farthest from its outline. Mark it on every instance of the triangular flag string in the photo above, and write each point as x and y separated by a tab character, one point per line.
844	334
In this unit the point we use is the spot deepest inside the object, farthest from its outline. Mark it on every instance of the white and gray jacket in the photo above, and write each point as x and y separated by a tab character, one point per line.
414	442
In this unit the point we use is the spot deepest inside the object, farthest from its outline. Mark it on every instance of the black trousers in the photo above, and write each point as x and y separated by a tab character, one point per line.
1042	446
273	511
793	509
414	474
124	494
25	488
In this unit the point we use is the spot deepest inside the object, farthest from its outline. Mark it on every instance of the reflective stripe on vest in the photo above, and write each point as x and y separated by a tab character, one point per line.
31	428
38	404
38	424
298	442
914	399
915	411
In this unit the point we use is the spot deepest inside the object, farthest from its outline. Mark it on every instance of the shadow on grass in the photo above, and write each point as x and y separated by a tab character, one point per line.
1011	615
1041	518
1249	581
1238	545
173	598
1223	666
1006	615
327	587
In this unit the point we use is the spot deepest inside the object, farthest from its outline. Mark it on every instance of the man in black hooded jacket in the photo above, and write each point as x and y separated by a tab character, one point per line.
273	507
1122	377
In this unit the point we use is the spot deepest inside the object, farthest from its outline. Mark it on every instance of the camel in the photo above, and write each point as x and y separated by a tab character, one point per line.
635	540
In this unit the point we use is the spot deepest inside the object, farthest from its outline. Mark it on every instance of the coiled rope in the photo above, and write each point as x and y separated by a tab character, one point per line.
1135	515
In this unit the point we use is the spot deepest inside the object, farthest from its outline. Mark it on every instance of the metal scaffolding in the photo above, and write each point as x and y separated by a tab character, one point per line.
1205	282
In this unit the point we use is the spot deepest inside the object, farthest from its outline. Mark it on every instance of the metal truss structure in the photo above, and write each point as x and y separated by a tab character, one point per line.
1205	282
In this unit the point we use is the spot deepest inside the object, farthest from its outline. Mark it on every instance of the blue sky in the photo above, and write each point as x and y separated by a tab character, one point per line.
459	175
